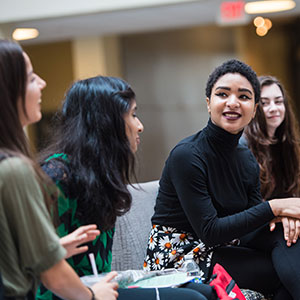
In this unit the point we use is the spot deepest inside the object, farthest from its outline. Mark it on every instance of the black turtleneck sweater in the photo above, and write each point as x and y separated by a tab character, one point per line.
210	187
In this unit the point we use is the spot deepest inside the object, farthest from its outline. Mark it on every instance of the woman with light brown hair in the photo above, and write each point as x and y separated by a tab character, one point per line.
273	137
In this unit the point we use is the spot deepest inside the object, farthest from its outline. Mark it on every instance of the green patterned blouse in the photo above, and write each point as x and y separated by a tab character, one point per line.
56	167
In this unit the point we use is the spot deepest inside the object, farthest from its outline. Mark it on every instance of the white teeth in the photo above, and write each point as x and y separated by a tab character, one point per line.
231	115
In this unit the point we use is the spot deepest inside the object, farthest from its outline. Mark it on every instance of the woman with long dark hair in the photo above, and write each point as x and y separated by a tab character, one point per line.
273	137
30	250
91	159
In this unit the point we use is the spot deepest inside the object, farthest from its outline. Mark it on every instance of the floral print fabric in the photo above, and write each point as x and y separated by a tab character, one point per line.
168	248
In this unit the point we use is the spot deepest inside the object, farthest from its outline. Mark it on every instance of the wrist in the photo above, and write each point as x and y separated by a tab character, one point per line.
93	297
275	207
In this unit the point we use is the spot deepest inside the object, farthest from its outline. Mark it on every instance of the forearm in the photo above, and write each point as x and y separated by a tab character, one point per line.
224	229
286	207
64	282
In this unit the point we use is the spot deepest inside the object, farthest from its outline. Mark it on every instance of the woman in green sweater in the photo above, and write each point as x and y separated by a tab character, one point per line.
30	250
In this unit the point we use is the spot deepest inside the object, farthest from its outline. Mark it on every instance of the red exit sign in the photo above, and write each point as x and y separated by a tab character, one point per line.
232	11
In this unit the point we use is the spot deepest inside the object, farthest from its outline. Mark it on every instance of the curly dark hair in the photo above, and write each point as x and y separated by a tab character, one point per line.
233	66
278	156
91	131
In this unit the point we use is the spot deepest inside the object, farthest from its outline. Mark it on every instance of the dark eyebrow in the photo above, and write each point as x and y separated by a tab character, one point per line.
223	88
245	90
228	89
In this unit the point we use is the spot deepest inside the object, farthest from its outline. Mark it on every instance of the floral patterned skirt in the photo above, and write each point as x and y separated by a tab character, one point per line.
168	248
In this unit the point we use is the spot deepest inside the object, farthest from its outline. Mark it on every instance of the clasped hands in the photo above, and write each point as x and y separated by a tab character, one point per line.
291	228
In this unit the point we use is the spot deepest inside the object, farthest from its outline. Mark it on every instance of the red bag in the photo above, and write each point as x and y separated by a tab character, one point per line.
224	285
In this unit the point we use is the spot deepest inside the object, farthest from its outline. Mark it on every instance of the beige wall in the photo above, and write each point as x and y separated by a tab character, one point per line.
60	64
97	56
268	55
275	54
168	72
53	62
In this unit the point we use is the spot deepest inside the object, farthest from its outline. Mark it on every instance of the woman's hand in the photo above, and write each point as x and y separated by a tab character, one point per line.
286	207
105	289
81	235
291	228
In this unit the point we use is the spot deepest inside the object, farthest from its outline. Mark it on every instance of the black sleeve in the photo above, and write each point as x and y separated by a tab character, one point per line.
254	194
188	175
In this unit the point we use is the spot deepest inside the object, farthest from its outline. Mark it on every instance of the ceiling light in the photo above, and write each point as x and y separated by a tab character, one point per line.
261	31
268	23
259	21
262	25
21	34
268	6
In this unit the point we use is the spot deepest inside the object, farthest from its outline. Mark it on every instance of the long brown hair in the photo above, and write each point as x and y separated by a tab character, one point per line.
13	82
278	156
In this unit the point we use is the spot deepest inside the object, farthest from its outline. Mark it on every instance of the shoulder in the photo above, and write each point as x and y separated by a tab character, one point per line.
187	153
186	147
19	182
56	167
17	169
245	152
243	141
248	159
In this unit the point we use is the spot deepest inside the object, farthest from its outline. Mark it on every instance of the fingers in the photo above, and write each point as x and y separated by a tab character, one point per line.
115	285
292	231
80	250
291	228
95	232
286	230
272	225
83	231
110	276
297	231
86	237
85	228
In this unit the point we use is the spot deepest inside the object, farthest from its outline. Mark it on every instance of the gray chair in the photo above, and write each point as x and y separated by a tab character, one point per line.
133	228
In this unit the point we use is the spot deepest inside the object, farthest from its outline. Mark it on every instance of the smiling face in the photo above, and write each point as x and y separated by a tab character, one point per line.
272	102
133	127
33	94
231	105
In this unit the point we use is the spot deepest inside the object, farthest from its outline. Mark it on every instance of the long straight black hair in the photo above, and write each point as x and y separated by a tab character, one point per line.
91	131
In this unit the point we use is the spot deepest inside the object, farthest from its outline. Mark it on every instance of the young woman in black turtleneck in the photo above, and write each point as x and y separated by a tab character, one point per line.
209	203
